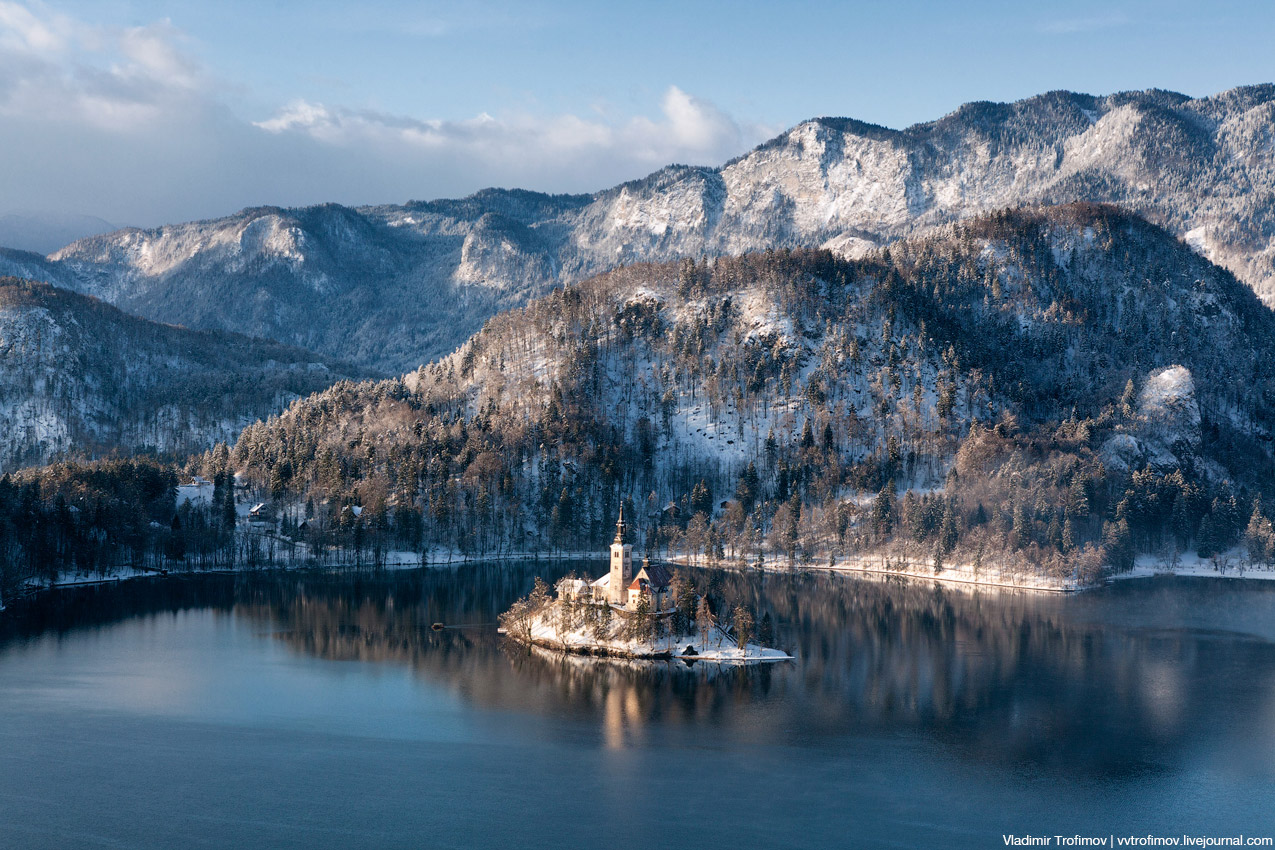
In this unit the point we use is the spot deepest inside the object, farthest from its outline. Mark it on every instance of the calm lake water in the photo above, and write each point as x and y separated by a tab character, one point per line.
311	710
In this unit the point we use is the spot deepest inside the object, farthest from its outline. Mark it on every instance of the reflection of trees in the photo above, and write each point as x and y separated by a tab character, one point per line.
1002	677
88	606
1005	676
999	676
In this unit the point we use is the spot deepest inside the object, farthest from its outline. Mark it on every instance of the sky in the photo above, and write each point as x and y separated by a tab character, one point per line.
144	112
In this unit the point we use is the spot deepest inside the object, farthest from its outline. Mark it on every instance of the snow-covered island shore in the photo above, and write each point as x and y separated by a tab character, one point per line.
636	614
602	629
647	614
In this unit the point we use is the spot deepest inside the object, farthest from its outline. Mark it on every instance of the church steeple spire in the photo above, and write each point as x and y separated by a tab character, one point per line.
620	527
621	563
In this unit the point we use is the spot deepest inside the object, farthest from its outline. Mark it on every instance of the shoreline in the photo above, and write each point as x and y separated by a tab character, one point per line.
544	629
969	582
603	651
1235	572
871	565
1146	568
130	573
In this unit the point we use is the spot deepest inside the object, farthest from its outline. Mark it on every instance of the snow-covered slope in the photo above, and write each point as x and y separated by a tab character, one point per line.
79	376
395	286
986	366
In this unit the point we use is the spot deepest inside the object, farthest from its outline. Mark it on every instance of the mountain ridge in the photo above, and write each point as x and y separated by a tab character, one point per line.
393	286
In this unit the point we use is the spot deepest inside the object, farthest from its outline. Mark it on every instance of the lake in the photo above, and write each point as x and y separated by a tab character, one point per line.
319	710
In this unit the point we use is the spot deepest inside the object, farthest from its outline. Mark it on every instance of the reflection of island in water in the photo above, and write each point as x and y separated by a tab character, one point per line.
1010	678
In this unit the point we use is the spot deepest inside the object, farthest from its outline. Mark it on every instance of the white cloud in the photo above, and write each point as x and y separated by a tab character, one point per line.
698	124
125	80
1092	23
151	53
689	130
23	30
123	123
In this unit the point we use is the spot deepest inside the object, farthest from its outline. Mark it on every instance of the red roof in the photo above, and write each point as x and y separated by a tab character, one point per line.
657	575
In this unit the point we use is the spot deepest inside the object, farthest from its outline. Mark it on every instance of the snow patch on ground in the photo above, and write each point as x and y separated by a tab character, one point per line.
1198	239
987	575
198	493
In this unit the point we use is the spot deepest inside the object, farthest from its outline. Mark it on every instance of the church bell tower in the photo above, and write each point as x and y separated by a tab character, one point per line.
621	564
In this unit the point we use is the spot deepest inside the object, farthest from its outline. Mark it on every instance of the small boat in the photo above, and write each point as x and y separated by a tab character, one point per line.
438	627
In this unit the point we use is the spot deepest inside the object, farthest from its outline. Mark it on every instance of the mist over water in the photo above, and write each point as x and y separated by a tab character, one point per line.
321	710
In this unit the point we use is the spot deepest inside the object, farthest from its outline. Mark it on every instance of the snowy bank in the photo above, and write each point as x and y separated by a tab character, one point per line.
923	570
547	628
1191	565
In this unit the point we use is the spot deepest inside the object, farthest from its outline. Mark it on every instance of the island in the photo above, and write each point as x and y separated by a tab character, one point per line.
649	614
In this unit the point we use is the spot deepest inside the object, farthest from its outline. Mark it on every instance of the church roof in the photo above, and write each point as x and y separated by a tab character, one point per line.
604	581
656	574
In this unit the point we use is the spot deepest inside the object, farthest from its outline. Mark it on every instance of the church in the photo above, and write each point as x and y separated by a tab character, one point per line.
620	588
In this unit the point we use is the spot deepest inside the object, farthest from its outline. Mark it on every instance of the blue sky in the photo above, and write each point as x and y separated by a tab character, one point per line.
143	112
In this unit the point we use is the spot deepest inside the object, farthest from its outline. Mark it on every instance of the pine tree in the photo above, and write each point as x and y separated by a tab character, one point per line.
704	621
766	631
743	622
792	532
1259	536
228	513
883	513
702	499
640	621
684	603
949	530
1128	400
746	490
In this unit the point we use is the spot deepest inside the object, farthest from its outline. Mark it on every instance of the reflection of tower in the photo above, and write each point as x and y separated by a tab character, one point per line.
621	564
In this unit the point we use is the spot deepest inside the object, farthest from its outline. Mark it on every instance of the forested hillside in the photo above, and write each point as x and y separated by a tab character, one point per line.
79	377
1055	388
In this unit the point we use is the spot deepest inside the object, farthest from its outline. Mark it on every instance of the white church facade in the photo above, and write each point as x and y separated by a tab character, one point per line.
621	587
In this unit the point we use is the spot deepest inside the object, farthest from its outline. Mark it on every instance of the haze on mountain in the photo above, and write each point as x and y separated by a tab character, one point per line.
394	286
45	232
79	377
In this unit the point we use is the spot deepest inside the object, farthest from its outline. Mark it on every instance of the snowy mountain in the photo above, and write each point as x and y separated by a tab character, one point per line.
78	376
394	286
1057	387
